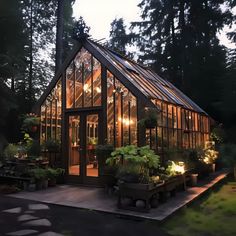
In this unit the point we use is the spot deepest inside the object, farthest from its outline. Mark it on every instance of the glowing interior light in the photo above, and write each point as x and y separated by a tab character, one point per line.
86	88
98	90
126	121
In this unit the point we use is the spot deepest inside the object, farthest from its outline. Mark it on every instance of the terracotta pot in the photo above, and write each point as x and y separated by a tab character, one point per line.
52	182
34	129
193	178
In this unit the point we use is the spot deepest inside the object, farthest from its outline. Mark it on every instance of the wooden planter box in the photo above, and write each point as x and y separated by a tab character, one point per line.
171	185
135	192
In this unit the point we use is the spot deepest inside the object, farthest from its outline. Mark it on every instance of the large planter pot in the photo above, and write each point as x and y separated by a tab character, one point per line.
193	179
34	129
39	184
52	182
213	167
45	183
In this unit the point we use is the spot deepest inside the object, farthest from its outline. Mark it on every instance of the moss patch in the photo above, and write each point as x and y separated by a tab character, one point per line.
214	215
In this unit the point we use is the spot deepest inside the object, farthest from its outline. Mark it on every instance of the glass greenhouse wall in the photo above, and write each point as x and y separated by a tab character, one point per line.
99	97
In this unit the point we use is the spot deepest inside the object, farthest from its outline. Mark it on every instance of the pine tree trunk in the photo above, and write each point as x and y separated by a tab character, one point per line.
31	58
59	35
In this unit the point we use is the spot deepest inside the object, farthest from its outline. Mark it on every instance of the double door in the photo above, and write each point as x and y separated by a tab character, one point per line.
83	137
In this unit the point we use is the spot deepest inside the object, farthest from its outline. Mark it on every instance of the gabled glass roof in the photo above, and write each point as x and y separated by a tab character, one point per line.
147	81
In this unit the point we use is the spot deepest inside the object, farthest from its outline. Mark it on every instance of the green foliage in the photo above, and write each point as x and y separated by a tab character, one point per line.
54	173
52	145
135	161
34	148
178	39
39	173
92	141
10	151
104	150
119	39
30	121
170	170
218	134
227	154
150	120
193	159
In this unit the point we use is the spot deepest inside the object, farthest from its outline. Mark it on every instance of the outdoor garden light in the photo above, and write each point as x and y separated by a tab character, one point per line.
180	167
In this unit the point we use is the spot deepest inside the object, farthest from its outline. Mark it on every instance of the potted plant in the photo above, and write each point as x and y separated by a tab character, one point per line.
31	123
150	120
60	176
10	152
134	167
134	163
52	177
210	156
40	176
92	142
102	153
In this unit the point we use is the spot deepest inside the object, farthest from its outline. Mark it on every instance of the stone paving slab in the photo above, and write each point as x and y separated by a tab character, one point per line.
92	198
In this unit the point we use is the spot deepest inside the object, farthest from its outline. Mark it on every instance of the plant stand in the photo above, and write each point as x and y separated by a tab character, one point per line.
139	195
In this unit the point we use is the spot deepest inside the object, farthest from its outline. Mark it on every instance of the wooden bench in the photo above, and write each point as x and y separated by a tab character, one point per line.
15	180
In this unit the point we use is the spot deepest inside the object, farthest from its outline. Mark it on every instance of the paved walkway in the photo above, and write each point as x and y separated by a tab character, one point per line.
96	199
21	217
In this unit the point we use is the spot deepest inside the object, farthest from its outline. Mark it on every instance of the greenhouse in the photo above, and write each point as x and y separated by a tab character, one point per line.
101	97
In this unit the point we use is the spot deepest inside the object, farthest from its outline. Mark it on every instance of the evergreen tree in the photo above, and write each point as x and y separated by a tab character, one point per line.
119	39
179	40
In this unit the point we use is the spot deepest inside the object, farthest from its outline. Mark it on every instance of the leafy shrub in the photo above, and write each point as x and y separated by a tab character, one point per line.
31	120
10	151
227	154
135	161
54	173
52	145
39	173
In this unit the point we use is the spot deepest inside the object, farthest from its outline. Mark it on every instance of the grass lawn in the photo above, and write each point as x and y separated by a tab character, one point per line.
214	215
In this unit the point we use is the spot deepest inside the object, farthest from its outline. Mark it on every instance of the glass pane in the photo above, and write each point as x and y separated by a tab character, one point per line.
87	78
110	109
58	110
91	142
48	119
53	134
121	113
126	117
133	120
118	113
78	84
74	145
70	74
97	89
42	124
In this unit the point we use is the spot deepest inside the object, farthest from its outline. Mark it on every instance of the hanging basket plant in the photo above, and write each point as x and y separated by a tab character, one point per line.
31	123
150	120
